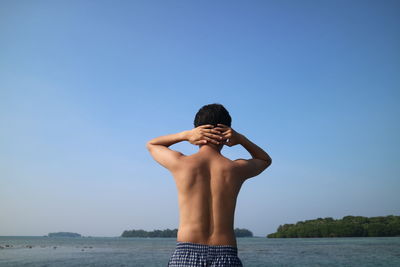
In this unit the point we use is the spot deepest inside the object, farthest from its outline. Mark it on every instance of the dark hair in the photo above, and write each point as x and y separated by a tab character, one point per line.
212	114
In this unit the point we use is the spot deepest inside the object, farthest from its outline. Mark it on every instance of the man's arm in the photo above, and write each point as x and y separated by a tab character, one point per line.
260	159
259	162
160	151
255	151
158	148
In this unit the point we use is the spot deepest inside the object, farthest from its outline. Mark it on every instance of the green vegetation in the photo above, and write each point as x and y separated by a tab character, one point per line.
243	232
173	233
64	234
348	226
155	233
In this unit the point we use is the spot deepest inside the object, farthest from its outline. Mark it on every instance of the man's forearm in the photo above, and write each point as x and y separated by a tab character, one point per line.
255	151
168	140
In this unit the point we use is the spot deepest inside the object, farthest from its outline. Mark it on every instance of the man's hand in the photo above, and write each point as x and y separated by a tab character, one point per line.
204	134
230	136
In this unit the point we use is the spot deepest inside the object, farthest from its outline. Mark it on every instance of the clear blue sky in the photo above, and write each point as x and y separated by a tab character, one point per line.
84	85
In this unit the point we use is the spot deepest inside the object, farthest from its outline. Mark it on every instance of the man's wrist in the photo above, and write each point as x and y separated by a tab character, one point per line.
241	139
185	135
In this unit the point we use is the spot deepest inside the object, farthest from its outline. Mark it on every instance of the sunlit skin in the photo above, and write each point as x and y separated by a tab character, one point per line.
207	182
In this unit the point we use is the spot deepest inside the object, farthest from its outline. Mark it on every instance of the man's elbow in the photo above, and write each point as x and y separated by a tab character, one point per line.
268	162
149	145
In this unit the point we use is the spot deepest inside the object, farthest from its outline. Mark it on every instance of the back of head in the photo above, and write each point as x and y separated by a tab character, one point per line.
212	114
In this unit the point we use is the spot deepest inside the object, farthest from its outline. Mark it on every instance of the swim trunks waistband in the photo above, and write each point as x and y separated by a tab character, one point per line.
210	249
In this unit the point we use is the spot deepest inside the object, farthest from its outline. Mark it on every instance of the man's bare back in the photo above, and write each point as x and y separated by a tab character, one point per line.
207	182
207	190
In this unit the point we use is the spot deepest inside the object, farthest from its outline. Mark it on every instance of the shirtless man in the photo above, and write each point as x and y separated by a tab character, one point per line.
208	185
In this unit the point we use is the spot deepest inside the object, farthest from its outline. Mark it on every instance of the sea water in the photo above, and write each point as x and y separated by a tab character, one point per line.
256	251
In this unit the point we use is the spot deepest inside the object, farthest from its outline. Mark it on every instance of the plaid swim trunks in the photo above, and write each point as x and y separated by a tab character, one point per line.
192	254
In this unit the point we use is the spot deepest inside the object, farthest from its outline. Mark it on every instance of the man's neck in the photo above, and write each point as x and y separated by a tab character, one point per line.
211	148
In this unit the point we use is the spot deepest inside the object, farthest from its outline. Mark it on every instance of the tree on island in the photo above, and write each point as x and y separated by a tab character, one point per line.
348	226
243	232
155	233
173	233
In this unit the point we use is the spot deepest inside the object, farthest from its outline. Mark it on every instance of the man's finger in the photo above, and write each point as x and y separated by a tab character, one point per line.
216	137
207	126
211	140
226	135
222	125
212	131
201	142
215	131
220	129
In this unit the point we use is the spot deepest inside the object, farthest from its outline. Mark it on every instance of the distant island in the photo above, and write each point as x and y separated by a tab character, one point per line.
243	232
173	233
64	234
348	226
155	233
